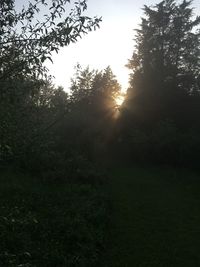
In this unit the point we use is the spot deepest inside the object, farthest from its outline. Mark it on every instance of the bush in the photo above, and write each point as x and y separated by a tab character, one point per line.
44	224
165	144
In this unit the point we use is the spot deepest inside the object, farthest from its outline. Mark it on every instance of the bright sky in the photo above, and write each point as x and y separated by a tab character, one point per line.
112	44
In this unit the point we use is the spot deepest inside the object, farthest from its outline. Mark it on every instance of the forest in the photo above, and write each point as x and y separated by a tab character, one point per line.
91	177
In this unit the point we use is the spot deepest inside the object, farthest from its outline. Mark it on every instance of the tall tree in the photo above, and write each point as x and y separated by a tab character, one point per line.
166	62
97	88
93	108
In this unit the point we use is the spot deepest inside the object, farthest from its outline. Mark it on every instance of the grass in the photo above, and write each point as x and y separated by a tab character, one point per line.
50	224
155	218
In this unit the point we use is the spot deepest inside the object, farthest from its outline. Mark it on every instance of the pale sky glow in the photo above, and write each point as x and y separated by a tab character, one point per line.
112	44
98	50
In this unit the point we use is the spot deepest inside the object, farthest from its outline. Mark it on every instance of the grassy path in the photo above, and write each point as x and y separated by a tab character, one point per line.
155	218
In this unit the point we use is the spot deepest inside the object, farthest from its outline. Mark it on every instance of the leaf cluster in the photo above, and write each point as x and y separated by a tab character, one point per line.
28	37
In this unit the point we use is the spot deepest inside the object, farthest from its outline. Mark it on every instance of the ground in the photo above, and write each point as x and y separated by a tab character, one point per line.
155	218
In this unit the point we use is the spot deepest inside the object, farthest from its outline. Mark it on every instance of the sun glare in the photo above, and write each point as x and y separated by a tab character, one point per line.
119	100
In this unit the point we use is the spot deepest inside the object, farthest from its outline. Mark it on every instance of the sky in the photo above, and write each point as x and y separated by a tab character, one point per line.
111	45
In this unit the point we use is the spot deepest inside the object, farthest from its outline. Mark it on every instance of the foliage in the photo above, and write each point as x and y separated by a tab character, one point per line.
92	84
28	108
165	65
92	108
45	224
164	144
160	117
29	36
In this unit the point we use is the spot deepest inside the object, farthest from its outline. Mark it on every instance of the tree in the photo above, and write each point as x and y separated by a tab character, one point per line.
105	85
28	37
27	40
160	118
81	84
93	109
166	62
98	89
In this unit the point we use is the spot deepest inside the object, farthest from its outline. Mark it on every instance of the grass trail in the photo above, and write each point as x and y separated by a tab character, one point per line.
155	218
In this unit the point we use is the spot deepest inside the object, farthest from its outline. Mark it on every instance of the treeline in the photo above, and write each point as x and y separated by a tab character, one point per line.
33	113
53	197
45	128
160	117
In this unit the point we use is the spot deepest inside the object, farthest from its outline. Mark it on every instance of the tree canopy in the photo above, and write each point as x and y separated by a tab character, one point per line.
30	35
165	65
162	102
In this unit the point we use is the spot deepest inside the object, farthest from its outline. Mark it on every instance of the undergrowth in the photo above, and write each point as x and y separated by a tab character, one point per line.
50	224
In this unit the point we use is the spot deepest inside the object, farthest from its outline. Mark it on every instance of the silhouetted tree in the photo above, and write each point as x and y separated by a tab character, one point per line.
166	62
28	37
92	109
160	117
96	88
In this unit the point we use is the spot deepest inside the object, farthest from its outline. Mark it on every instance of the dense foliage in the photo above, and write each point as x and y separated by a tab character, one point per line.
55	214
50	224
29	104
30	35
161	113
166	62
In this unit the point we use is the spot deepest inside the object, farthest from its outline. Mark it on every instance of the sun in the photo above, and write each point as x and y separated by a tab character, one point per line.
119	100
